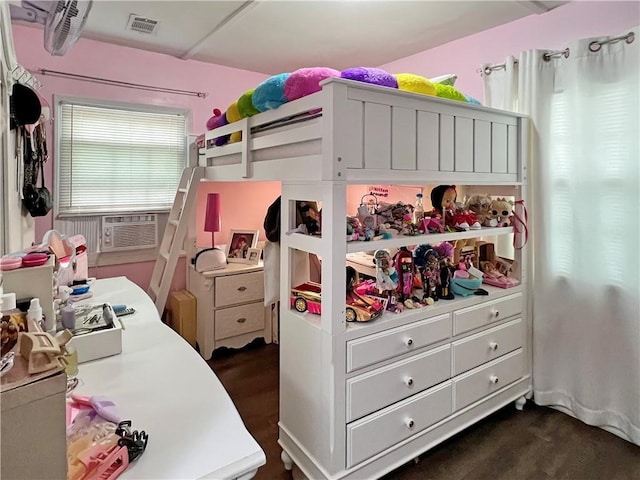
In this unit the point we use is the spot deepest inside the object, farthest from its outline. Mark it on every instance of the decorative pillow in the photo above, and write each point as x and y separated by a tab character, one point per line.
375	76
245	104
305	81
411	82
218	120
233	115
448	79
472	100
269	94
447	91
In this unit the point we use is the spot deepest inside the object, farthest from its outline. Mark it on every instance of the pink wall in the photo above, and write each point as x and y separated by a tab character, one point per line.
92	58
244	204
551	30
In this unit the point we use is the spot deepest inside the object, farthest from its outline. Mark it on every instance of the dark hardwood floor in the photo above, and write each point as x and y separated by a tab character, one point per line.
536	444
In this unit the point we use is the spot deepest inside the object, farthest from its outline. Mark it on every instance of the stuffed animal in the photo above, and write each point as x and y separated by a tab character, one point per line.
415	83
479	204
375	76
269	94
447	91
245	104
218	119
306	81
233	115
500	210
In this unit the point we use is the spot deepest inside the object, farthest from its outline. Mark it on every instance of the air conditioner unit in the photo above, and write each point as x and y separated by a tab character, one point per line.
129	232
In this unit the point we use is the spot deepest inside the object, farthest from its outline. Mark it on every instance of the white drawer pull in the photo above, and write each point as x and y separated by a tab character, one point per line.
408	381
495	313
493	379
241	320
409	342
493	346
409	423
242	289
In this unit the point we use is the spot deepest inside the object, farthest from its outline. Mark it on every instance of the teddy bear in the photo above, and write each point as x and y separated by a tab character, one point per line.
479	204
500	210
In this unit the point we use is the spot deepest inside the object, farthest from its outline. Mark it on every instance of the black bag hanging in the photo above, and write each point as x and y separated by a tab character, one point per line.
37	200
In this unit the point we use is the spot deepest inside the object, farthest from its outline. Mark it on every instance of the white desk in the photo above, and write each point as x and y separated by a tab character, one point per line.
164	387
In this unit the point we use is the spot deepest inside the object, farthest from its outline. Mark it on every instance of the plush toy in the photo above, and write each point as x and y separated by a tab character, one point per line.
447	91
269	94
375	76
446	79
245	105
471	100
415	83
479	204
500	211
218	119
306	81
233	115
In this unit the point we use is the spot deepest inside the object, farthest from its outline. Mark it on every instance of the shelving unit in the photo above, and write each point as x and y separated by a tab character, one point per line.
358	400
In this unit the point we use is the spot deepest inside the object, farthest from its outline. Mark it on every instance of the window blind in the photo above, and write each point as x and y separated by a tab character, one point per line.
113	160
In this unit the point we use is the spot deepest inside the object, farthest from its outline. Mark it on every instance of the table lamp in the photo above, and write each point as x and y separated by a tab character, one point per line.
212	215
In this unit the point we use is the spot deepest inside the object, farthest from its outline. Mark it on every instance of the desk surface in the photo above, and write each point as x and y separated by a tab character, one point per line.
164	387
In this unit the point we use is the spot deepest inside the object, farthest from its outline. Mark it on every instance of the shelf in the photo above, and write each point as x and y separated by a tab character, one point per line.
306	243
390	319
431	238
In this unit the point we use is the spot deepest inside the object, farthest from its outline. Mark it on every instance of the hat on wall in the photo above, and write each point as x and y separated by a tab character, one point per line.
25	107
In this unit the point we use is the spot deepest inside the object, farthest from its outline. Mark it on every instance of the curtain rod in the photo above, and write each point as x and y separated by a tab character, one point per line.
594	46
118	83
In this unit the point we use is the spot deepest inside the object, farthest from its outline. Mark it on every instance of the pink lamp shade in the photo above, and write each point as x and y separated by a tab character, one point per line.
212	215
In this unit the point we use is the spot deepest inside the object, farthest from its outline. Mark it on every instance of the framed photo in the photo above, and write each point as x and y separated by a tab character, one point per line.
240	241
253	256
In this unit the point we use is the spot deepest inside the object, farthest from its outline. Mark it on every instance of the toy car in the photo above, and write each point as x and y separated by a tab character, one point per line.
359	308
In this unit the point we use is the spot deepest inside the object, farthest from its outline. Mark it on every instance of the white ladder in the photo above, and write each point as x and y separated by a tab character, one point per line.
172	244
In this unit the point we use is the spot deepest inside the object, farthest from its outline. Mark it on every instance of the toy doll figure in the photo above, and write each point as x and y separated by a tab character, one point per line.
444	290
431	277
386	274
443	200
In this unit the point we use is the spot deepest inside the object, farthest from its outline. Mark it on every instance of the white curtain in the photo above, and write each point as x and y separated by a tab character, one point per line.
586	224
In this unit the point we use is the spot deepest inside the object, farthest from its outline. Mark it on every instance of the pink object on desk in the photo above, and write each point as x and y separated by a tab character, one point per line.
10	263
34	259
212	216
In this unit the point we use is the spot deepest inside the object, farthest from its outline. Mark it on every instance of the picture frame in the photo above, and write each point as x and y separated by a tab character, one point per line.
253	256
240	241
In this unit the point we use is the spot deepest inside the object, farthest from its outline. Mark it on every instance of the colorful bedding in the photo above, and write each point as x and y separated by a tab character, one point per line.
286	87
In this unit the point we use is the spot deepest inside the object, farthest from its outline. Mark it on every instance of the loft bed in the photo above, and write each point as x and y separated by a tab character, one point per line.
358	400
367	133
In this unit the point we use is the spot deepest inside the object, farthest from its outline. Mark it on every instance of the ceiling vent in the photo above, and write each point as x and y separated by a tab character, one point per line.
140	24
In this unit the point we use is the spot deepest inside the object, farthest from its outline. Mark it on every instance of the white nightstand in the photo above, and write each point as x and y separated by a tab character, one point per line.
230	306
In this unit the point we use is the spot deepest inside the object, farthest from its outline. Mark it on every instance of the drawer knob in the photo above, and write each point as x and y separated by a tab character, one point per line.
493	379
495	313
409	423
409	381
241	320
408	342
493	346
242	289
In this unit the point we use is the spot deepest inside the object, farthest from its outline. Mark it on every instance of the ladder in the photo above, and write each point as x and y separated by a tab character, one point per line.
172	245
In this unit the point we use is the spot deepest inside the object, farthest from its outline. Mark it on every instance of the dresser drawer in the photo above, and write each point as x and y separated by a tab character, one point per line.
396	341
234	289
486	313
481	382
381	430
377	389
487	345
233	321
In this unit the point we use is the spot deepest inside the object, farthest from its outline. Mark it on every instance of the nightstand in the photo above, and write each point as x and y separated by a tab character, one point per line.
230	306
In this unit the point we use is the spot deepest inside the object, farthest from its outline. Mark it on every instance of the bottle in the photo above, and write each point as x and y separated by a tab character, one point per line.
418	210
35	316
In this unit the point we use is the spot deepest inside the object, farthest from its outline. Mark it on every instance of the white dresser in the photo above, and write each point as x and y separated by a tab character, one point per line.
230	306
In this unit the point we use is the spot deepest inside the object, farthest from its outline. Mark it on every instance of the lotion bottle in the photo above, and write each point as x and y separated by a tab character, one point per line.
35	316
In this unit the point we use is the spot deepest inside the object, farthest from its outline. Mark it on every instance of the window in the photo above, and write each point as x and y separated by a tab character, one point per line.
114	158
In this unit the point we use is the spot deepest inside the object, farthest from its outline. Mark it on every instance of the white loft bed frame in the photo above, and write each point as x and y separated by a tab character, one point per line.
365	135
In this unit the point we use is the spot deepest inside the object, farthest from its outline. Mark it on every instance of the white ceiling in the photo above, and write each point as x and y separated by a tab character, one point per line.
274	36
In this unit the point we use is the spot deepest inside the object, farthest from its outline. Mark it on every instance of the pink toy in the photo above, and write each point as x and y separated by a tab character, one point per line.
305	81
218	119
